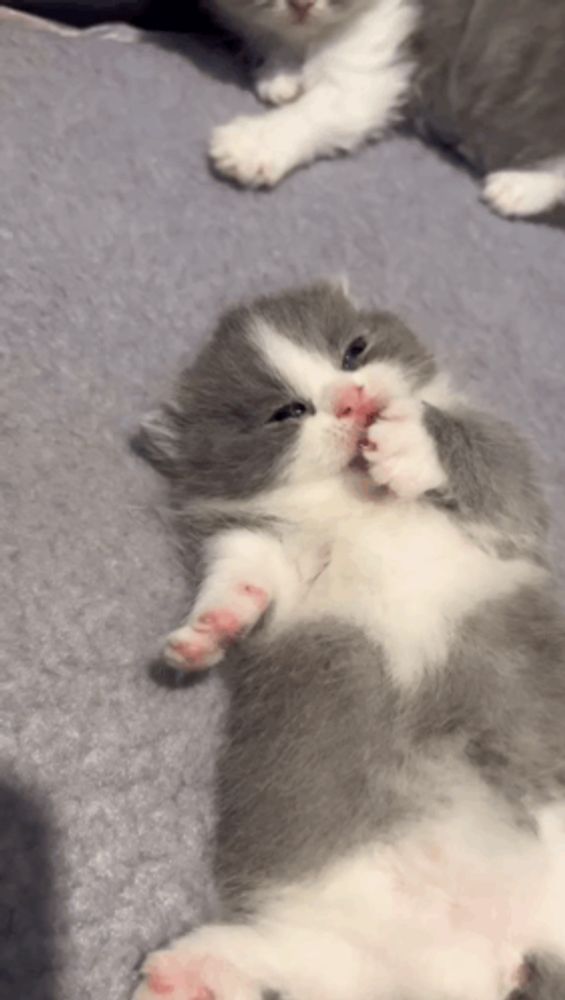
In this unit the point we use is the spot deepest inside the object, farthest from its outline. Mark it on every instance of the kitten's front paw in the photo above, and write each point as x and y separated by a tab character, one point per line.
276	85
400	453
202	642
253	151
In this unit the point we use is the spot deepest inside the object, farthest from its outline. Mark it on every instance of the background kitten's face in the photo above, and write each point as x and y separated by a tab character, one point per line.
293	18
283	393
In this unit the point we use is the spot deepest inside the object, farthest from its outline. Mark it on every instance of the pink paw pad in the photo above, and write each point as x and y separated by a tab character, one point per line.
195	651
159	985
170	978
257	594
223	622
190	652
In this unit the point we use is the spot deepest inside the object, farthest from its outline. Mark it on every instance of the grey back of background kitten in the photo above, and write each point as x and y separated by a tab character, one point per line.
491	79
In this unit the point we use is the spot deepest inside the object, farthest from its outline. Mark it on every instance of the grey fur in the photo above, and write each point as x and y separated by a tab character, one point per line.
491	79
491	478
324	751
546	979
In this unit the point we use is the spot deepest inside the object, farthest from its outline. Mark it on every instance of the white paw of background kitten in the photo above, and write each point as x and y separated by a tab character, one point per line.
523	193
400	453
278	84
252	151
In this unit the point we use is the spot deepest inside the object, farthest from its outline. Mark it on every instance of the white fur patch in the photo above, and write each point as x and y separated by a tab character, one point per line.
306	371
402	571
315	377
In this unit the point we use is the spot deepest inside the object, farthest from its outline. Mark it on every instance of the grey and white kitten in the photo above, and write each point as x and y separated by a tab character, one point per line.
375	587
487	77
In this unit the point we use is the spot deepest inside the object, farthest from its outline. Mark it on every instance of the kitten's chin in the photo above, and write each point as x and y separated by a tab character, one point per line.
300	28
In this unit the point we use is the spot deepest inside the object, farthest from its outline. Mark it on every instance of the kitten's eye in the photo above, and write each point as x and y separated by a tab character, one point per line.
291	411
353	354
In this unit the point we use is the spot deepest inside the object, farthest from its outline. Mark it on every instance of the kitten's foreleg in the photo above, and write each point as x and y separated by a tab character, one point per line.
258	151
400	452
472	463
246	571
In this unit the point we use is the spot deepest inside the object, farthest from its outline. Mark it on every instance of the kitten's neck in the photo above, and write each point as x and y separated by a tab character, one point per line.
316	501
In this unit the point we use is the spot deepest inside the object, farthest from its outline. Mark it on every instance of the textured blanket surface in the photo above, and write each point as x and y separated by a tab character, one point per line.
118	250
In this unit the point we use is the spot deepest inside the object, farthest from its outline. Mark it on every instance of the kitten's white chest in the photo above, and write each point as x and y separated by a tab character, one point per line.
404	572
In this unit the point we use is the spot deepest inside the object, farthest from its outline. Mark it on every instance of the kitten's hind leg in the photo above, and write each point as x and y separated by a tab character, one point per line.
254	961
524	193
247	571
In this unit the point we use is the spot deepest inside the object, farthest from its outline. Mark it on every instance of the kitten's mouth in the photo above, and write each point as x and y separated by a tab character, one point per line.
359	461
370	414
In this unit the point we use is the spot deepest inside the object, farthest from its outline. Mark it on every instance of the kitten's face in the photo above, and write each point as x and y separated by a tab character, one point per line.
293	18
283	393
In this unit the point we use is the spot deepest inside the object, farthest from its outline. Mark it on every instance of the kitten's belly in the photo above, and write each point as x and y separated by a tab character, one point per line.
406	575
463	895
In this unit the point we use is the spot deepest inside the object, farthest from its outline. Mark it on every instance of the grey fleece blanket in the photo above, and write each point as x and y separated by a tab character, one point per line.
118	250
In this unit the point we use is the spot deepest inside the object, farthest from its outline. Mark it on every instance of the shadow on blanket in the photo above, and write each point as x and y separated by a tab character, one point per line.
27	917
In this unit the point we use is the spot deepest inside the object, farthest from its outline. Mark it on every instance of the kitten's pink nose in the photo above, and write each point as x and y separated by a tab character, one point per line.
301	6
353	403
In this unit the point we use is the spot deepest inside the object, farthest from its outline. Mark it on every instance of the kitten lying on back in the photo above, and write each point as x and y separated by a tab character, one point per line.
374	586
487	77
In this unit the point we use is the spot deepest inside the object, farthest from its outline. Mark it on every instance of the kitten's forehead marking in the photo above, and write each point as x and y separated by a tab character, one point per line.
306	371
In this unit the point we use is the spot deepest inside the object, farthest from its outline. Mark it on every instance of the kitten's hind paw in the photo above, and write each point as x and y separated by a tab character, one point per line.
202	642
183	974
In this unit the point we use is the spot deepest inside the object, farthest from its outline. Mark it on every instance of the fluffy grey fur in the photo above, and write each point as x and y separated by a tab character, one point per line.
490	80
325	752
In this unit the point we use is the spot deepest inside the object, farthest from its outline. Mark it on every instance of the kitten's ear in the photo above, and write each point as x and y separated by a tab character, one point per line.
342	284
158	439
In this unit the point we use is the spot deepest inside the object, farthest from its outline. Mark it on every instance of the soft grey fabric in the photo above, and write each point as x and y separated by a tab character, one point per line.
118	250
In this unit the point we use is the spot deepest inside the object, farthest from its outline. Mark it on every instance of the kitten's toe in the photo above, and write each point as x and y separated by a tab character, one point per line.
193	648
250	151
523	193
